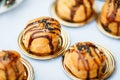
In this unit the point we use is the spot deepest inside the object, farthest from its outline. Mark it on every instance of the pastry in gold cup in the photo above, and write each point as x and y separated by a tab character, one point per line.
109	18
42	36
85	60
74	12
11	67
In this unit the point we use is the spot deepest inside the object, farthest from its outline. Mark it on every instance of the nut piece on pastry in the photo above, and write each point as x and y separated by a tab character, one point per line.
42	36
11	67
110	17
85	60
75	10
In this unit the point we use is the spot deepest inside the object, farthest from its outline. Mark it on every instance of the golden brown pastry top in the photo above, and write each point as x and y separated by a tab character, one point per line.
45	28
85	56
11	68
113	13
110	17
75	10
7	57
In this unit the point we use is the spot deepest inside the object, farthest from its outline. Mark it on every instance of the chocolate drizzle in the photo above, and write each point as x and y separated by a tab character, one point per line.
84	62
44	21
106	28
118	26
46	27
9	56
15	70
88	69
104	68
6	73
10	59
112	16
91	50
30	24
75	8
82	59
30	29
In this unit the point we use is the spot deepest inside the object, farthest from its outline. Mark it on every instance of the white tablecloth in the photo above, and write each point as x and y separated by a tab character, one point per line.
14	21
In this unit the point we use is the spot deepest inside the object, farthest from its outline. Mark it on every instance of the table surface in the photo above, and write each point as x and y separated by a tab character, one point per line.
14	21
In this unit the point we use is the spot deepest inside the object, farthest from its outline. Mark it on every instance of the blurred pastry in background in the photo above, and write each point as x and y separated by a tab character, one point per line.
110	17
11	67
75	11
42	36
85	61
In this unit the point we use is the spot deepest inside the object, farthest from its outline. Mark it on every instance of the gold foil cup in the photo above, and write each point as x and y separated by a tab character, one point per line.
29	69
110	66
70	24
103	31
64	45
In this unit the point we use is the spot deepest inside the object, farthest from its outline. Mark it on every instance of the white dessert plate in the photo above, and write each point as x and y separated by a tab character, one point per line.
4	8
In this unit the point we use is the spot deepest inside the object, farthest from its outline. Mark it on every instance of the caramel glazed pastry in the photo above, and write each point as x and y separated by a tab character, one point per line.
75	10
110	17
42	36
85	61
11	67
